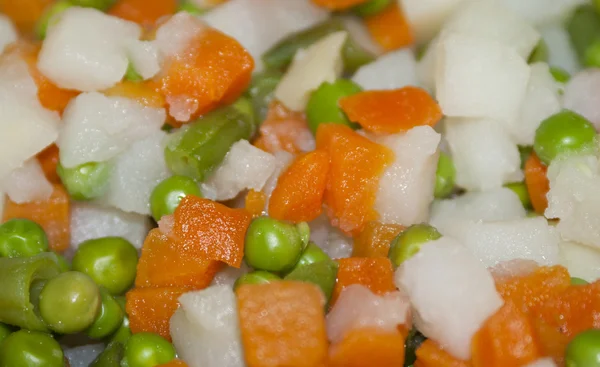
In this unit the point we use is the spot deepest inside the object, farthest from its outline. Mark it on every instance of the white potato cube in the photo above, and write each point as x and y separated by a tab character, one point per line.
540	12
393	70
543	362
27	183
581	261
229	275
426	66
560	50
330	239
8	32
427	16
581	95
174	36
144	55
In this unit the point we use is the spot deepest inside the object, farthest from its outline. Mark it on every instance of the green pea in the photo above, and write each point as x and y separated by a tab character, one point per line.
110	261
409	242
520	189
311	254
272	245
22	238
525	152
147	350
255	277
584	350
371	7
559	74
304	231
444	176
62	262
592	55
322	274
323	105
50	17
584	29
190	7
69	303
562	133
262	91
578	281
97	4
5	331
539	53
132	75
167	194
123	333
26	348
85	182
109	318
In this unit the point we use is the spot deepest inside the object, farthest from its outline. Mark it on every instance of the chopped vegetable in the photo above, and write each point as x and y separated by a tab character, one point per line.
166	195
584	31
583	349
371	7
537	183
368	347
374	273
284	130
409	242
255	203
147	350
390	28
444	176
143	12
375	239
22	238
85	182
109	318
323	106
320	273
261	90
255	277
32	349
429	354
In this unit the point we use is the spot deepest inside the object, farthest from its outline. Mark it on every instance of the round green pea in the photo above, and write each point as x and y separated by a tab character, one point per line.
5	331
50	17
62	262
109	319
26	348
584	350
520	189
166	195
562	133
560	75
272	245
409	242
323	105
110	261
255	277
69	303
371	7
311	254
578	281
444	176
85	182
22	238
147	350
123	333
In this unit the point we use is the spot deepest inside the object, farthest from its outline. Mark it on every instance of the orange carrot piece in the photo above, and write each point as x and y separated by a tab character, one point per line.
283	130
48	159
392	111
429	354
530	291
282	324
145	93
174	363
368	347
163	264
390	28
150	309
255	203
143	12
375	239
298	196
377	274
537	183
356	165
211	230
338	4
552	342
215	70
52	214
24	13
507	338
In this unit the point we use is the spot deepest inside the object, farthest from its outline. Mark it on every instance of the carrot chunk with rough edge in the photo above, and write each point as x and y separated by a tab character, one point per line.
377	274
375	239
552	342
163	264
392	111
211	230
145	93
298	196
282	324
368	347
537	183
284	130
255	203
390	28
356	165
530	291
150	309
507	338
429	354
143	12
174	363
24	13
338	4
216	69
48	159
53	215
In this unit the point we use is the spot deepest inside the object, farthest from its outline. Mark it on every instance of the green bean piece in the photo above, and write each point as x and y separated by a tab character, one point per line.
323	274
584	31
262	90
5	331
96	4
412	343
109	319
17	275
197	149
85	182
520	189
323	105
540	53
255	277
166	196
22	238
26	348
147	350
444	176
50	16
189	7
371	7
559	74
132	75
409	242
281	54
111	356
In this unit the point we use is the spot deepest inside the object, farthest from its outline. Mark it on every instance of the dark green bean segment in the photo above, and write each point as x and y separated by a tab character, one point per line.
409	242
70	302
371	7
578	281
147	350
261	91
584	350
110	261
520	189
197	149
50	16
311	254
5	331
272	245
166	195
111	356
560	75
85	182
132	75
444	176
412	343
540	53
22	238
323	104
322	273
109	319
584	32
17	275
281	54
255	277
26	348
97	4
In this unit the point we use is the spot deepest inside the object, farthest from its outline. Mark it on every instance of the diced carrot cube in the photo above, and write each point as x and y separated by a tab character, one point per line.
429	354
211	230
53	215
298	196
143	12
392	111
145	93
537	183
150	309
356	165
552	342
49	159
282	324
338	4
24	13
390	28
377	274
368	347
375	239
174	363
255	203
283	130
164	264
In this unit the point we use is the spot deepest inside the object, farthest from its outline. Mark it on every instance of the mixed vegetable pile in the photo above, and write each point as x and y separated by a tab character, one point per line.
299	183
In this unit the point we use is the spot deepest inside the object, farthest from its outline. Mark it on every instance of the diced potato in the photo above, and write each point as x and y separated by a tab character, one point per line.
27	183
144	56
330	239
561	52
427	64
581	95
229	275
8	32
582	261
393	70
174	36
543	362
540	12
427	16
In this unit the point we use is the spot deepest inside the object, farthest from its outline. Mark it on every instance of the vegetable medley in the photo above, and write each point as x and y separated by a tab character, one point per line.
299	183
